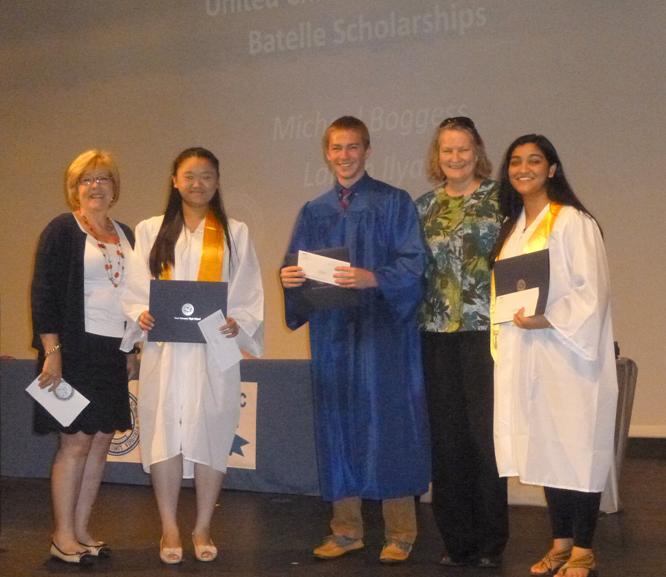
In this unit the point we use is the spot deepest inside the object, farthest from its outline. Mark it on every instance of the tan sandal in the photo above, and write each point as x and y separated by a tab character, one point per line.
205	553
552	561
170	555
586	561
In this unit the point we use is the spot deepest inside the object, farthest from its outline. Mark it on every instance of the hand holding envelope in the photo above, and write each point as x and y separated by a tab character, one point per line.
222	350
316	284
334	271
318	267
64	402
507	305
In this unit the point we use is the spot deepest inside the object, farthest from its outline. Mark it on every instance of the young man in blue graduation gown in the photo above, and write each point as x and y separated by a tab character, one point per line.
370	410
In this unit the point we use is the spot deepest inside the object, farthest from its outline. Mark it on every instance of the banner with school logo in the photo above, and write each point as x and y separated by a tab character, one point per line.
243	453
125	445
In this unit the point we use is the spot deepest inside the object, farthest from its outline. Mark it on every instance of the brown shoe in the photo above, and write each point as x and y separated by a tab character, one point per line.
586	561
335	546
395	551
551	562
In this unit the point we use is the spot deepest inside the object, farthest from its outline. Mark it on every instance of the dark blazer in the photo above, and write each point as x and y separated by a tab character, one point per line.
57	285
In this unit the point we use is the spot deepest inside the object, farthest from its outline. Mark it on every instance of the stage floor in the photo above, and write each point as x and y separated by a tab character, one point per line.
272	535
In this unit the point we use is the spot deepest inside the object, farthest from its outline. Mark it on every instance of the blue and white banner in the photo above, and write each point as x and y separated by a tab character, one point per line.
243	455
125	445
244	448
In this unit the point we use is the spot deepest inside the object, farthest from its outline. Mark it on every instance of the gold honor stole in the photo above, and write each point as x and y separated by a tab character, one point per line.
212	253
538	241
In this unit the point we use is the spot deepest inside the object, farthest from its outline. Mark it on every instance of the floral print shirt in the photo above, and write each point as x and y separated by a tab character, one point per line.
459	232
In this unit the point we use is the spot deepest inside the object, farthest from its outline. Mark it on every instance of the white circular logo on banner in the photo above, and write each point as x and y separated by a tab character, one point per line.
187	309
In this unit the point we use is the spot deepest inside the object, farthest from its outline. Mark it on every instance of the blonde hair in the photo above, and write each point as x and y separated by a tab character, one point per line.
346	123
483	167
86	161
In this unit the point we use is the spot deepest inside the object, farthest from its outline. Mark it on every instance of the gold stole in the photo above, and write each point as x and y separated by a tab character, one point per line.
538	241
212	253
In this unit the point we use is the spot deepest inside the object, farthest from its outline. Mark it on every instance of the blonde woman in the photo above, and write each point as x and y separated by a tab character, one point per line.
78	325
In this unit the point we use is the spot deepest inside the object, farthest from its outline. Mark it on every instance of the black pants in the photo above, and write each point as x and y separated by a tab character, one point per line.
573	515
469	497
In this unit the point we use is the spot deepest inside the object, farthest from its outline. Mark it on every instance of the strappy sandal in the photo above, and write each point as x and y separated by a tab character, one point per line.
552	561
586	561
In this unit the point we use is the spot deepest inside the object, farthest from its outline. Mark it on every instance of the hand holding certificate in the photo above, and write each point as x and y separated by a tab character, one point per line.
521	282
177	306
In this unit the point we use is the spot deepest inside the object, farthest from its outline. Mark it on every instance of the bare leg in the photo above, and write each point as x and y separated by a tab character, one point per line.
92	478
208	483
167	476
66	475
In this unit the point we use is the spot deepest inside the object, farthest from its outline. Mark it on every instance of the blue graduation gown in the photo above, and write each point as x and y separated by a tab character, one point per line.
371	425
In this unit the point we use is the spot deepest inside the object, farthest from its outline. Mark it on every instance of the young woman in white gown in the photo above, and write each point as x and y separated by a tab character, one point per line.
188	405
555	375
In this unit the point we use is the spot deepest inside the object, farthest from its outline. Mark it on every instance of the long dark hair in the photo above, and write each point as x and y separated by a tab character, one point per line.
162	253
558	188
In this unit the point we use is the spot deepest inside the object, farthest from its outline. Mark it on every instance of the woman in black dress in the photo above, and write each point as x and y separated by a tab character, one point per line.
77	330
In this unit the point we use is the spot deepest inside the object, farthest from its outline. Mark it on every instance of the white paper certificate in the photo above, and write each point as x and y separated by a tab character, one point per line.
65	409
317	267
224	351
507	305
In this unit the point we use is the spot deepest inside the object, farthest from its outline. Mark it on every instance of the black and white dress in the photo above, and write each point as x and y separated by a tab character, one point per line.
73	296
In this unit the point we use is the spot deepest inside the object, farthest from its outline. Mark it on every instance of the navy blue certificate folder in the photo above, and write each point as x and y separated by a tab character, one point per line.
522	272
178	305
314	295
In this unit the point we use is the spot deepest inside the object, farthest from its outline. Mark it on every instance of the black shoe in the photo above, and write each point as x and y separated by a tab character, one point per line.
489	562
77	558
450	561
98	549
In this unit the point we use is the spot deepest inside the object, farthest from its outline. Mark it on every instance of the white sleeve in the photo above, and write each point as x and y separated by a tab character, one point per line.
578	263
135	296
245	299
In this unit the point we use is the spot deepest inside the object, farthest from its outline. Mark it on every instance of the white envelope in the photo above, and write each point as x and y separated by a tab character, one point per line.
507	305
63	410
317	267
225	352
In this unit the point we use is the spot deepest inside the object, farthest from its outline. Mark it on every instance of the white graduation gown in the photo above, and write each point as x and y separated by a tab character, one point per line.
556	388
186	404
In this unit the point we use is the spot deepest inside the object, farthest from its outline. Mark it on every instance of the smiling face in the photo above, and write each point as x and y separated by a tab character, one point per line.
346	155
96	190
457	155
196	180
529	171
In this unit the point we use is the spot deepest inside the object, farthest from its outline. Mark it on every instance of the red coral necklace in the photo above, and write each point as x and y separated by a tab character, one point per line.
111	250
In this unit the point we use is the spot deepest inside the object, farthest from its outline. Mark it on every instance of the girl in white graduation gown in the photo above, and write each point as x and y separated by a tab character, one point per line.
555	376
188	404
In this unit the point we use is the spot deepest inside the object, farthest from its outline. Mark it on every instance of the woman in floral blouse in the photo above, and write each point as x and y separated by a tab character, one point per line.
461	221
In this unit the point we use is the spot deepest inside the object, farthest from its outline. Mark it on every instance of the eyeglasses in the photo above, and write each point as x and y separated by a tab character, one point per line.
463	121
87	181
